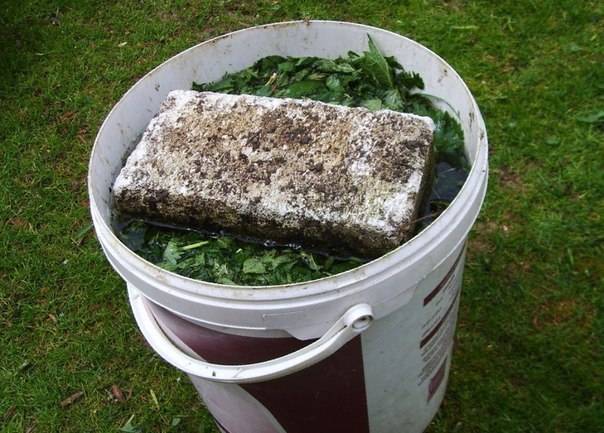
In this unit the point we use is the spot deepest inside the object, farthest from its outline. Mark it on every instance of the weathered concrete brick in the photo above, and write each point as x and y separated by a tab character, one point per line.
280	169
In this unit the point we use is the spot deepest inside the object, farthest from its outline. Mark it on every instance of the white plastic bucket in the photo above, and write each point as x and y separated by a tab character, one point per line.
368	350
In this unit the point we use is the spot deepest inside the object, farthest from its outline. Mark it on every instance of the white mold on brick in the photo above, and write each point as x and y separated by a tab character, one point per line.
281	169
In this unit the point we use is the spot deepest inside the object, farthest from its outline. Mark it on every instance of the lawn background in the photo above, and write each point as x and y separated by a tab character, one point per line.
529	354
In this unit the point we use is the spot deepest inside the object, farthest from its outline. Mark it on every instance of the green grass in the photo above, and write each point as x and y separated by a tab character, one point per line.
530	343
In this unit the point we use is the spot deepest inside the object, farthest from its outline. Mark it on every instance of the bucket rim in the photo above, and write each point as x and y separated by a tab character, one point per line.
428	236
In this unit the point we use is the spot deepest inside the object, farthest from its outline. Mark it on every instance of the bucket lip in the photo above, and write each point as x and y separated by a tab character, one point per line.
476	175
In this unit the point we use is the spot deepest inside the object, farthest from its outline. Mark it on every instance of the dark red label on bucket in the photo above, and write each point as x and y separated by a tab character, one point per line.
441	306
437	379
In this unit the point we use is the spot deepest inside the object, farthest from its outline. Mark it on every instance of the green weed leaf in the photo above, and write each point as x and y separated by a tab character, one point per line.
376	66
172	253
304	88
372	104
253	266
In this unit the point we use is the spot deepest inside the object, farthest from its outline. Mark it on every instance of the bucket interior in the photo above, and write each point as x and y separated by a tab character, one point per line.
209	61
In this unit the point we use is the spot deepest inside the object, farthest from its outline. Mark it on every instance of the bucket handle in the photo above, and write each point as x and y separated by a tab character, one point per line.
352	323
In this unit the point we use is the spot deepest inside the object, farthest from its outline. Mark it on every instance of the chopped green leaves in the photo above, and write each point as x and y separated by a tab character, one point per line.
225	260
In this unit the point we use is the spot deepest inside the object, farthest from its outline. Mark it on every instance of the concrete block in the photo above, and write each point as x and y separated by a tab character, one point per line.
287	170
